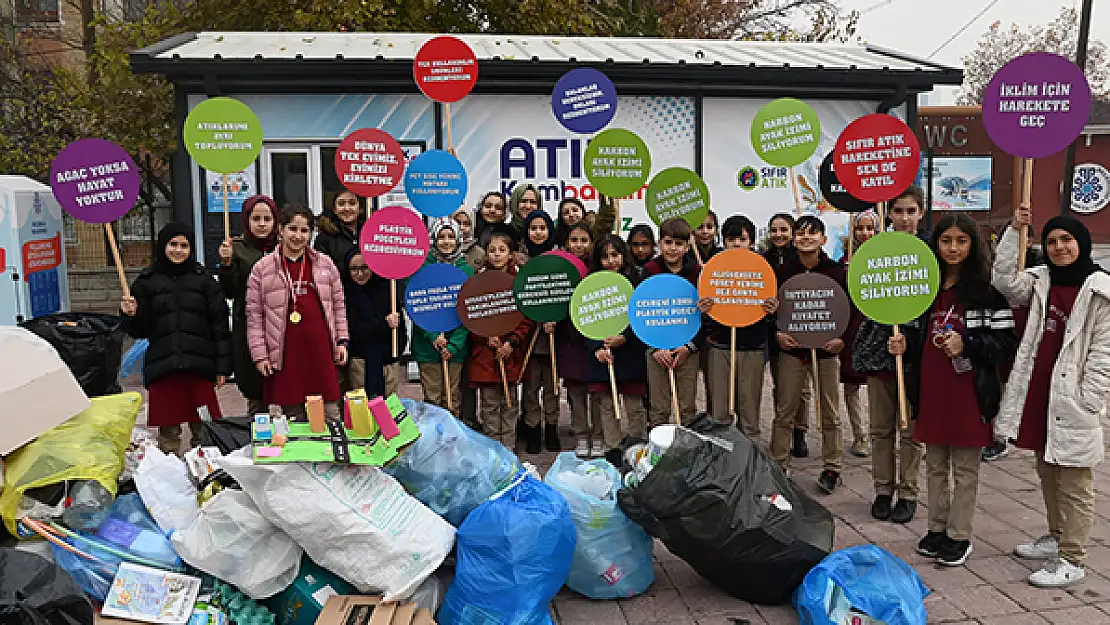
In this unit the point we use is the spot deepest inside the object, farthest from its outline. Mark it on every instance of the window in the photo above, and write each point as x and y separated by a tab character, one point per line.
36	11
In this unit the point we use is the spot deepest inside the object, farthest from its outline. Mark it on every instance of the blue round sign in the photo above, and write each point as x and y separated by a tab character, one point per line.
663	311
435	183
432	296
584	100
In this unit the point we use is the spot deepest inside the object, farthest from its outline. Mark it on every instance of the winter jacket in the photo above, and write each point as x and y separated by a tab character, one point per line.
268	293
335	239
233	281
422	350
185	320
367	307
481	363
869	348
1081	376
690	270
848	375
794	266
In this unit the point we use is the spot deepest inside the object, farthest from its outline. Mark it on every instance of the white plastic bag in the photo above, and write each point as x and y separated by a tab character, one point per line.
231	540
166	490
355	521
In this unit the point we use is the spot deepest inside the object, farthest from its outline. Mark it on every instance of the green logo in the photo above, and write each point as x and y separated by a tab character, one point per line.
747	178
893	278
786	132
617	162
223	135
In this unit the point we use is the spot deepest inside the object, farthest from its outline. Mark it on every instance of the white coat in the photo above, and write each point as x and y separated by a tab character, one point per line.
1081	375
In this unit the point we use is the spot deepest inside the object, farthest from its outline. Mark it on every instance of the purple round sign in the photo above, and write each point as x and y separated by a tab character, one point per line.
584	100
95	180
1036	105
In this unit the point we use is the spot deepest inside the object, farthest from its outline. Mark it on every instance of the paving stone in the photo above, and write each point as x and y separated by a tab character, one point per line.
940	610
1093	589
663	608
682	575
943	578
1085	615
571	611
1029	618
708	600
998	569
1036	599
717	619
985	600
778	614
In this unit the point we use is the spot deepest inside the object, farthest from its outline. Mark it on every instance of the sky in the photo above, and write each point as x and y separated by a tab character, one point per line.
919	27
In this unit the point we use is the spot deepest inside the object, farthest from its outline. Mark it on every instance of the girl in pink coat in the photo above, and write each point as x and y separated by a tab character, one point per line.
296	319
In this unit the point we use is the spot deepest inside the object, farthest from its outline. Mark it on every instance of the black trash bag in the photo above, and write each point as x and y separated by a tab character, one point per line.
227	434
91	345
716	509
35	591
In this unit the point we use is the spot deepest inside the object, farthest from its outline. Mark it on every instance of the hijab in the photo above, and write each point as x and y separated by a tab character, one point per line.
162	263
249	204
534	249
438	226
518	194
1077	272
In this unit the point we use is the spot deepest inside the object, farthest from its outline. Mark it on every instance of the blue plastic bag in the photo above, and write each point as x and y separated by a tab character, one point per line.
132	362
451	468
867	578
612	559
514	554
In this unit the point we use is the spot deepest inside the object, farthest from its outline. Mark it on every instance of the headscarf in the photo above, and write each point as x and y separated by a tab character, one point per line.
466	241
438	226
533	249
162	263
518	193
1077	272
249	205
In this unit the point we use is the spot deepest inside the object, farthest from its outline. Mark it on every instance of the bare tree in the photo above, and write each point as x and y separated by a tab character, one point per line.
747	19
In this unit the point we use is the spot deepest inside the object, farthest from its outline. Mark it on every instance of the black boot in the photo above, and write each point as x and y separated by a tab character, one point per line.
531	437
551	437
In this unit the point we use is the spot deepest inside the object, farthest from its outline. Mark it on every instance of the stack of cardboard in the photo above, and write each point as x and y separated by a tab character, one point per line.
359	610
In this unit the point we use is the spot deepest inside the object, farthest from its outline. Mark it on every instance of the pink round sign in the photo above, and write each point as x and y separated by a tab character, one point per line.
394	242
574	260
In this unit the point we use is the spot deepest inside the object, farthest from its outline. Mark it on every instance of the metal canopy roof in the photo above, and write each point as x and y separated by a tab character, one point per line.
384	60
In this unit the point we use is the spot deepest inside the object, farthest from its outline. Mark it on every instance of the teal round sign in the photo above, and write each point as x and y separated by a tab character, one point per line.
617	162
677	192
893	278
786	132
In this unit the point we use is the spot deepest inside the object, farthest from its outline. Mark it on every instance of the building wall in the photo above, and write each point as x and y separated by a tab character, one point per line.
96	290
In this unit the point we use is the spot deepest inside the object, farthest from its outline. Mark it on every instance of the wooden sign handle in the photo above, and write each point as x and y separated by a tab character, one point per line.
447	119
447	385
901	376
227	211
505	384
674	398
393	309
616	395
1026	198
732	374
816	387
697	252
554	366
119	261
528	354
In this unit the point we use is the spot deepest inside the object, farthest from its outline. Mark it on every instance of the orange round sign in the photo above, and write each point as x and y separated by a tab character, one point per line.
738	281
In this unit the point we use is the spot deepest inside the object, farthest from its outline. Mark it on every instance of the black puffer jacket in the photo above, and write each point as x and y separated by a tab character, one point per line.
186	320
336	239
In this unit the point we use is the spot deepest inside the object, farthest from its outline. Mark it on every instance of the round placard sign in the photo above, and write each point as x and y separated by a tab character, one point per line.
432	296
95	180
369	162
877	157
543	288
223	135
394	242
1090	189
584	100
893	278
599	306
617	162
572	259
663	311
786	132
445	69
486	305
677	192
834	192
435	183
738	281
813	309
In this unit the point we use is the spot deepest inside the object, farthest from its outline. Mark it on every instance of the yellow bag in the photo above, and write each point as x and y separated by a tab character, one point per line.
90	446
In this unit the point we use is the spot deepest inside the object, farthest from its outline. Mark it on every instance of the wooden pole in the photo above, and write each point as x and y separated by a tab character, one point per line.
1026	198
528	354
697	252
616	395
447	386
554	366
816	388
617	212
794	188
505	383
905	419
118	259
852	234
882	216
447	117
674	398
227	212
393	308
732	374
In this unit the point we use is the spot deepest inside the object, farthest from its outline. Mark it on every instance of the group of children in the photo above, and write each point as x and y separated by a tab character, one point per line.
310	319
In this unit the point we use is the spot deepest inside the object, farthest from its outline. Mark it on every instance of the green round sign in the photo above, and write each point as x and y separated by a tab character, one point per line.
786	132
617	162
599	306
223	135
893	278
677	192
543	288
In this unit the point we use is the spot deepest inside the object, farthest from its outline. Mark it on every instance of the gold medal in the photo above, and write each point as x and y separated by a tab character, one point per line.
294	317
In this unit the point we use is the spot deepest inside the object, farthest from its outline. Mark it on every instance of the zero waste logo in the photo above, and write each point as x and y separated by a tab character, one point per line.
747	178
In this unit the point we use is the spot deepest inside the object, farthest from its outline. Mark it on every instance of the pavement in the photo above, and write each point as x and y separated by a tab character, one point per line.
989	590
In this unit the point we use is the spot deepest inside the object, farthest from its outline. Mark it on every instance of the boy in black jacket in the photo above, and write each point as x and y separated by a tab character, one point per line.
371	323
795	365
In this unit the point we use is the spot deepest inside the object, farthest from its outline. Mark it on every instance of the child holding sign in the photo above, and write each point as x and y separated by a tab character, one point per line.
431	350
955	386
179	307
573	212
539	403
795	367
1058	416
573	357
371	321
864	226
674	243
641	240
297	319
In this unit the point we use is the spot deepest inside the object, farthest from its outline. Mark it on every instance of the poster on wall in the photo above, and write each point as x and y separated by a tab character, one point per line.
397	196
240	186
741	182
960	183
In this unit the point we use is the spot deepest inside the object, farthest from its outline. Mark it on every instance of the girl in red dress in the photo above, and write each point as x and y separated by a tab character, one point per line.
179	308
955	386
297	320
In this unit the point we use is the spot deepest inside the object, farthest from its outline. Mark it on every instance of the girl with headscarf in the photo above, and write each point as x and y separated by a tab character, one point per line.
179	308
864	226
1056	394
539	404
371	322
237	258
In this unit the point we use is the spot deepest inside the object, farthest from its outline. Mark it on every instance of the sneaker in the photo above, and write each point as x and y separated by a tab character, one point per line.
1057	575
1046	547
903	511
597	449
954	552
881	508
860	448
828	481
931	544
996	451
583	448
800	449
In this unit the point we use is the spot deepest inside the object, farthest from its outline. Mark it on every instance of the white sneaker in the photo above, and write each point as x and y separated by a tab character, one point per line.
1046	547
583	448
597	450
1057	575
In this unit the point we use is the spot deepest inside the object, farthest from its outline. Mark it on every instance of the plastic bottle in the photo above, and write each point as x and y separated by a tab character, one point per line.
88	507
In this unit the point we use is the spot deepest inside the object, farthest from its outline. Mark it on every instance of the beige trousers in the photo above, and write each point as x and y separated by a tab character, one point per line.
499	420
953	488
801	417
793	374
882	397
356	376
854	404
1069	500
749	388
540	383
659	385
435	387
633	416
704	354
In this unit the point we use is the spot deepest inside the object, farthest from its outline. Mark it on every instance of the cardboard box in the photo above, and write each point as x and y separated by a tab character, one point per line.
360	610
301	603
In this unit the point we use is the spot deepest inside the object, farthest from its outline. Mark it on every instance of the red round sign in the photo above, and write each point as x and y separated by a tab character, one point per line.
876	158
445	69
369	162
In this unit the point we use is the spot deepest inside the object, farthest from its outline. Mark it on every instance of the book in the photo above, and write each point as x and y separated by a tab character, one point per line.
141	593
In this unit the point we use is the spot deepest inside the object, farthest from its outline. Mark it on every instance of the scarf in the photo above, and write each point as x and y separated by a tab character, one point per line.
162	263
536	249
1077	272
249	204
438	226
